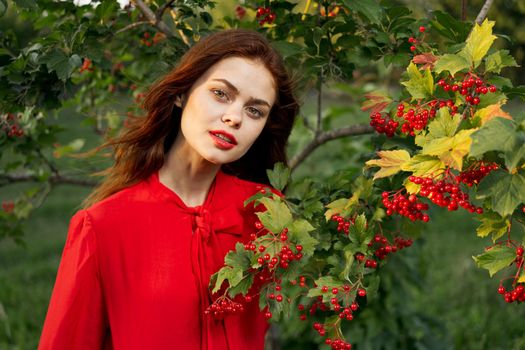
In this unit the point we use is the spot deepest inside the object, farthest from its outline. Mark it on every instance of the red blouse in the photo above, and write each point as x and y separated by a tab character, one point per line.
135	271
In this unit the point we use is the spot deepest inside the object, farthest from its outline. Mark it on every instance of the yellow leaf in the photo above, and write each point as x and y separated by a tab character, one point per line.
424	165
492	111
451	150
411	187
479	42
390	162
522	277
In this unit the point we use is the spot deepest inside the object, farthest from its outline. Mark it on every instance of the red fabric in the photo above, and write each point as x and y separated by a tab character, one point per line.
135	271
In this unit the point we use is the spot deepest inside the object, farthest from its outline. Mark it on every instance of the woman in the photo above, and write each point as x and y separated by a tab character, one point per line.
138	258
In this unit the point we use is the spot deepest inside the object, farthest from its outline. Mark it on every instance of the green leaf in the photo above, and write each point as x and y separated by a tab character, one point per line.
369	8
242	287
478	43
279	176
27	4
298	233
57	61
450	150
451	63
498	60
419	85
3	7
239	258
492	224
349	260
277	215
506	191
287	49
498	134
358	232
226	273
495	259
444	124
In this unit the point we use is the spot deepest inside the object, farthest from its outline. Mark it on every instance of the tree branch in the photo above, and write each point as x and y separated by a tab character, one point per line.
463	10
131	26
152	18
163	8
323	137
54	179
484	10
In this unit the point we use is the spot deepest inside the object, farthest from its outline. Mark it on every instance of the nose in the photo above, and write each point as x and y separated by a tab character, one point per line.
233	117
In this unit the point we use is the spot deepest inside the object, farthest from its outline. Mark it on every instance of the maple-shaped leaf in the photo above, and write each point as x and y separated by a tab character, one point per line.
499	60
495	259
452	63
490	112
478	43
390	162
424	165
450	150
426	59
419	85
376	101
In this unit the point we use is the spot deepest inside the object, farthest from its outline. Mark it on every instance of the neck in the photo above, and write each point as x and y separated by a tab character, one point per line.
187	174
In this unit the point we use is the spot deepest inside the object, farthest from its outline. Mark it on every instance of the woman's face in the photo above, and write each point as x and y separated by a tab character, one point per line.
226	109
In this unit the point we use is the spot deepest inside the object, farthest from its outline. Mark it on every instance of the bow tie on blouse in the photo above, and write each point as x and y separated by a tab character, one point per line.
208	227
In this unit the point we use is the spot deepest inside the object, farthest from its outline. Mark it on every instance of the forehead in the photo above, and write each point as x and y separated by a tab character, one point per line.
250	77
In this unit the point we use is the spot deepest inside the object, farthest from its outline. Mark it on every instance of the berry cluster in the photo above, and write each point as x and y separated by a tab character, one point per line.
415	41
223	307
240	12
510	296
338	344
8	206
342	224
87	65
471	87
370	263
383	247
265	15
276	296
405	205
383	125
283	258
411	119
445	194
10	125
475	175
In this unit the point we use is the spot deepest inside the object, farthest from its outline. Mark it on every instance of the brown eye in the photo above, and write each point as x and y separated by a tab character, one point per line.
219	93
255	112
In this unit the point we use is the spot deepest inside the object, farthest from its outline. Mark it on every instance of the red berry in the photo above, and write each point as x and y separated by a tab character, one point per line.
519	251
268	314
361	292
422	29
413	48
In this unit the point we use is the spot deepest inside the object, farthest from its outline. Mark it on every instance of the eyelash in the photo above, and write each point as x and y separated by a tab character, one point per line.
221	95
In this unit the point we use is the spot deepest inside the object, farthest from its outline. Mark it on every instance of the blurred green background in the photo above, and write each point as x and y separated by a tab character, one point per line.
432	292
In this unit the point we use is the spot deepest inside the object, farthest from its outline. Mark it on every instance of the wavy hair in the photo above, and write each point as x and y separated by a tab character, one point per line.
141	147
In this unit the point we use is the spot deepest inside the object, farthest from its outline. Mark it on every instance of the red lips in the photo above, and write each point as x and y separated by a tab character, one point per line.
223	139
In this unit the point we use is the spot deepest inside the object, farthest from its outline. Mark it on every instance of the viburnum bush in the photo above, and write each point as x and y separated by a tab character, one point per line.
316	254
461	151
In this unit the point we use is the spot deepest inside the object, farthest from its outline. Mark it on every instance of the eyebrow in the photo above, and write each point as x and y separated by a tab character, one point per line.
236	91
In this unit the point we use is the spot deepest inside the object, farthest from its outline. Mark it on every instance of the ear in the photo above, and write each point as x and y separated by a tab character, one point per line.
178	101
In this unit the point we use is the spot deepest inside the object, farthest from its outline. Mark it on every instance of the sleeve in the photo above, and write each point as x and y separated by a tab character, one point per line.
76	317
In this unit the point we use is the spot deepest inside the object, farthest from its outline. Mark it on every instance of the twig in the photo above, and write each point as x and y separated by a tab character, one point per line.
54	179
150	16
463	10
484	10
323	137
163	8
131	26
319	101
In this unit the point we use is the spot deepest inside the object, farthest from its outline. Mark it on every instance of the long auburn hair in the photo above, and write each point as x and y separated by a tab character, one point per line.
141	148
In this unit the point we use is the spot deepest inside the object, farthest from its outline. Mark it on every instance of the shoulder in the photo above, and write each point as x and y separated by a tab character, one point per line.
126	200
